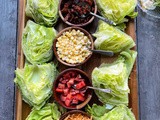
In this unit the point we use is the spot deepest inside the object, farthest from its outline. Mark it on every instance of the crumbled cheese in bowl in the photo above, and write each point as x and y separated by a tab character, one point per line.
73	46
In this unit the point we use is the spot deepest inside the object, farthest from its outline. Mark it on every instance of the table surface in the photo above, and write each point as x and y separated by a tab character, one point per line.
148	46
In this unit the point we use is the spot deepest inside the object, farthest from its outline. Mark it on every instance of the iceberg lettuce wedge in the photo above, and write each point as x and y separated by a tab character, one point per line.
37	43
114	76
110	38
48	112
44	12
35	83
117	10
120	112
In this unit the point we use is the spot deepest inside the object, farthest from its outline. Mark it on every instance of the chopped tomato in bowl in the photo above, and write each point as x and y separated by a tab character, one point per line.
70	89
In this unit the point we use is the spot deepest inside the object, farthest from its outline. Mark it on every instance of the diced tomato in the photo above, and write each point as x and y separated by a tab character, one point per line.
74	101
66	91
70	82
79	97
61	86
67	102
68	99
79	79
77	91
73	93
80	85
68	85
69	96
59	90
63	98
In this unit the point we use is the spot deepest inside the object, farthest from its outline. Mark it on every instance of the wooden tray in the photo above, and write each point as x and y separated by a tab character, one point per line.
23	109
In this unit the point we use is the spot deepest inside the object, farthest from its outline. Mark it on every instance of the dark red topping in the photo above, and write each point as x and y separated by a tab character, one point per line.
71	88
73	10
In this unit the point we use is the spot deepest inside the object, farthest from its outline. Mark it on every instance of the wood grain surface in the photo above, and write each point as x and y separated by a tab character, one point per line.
22	109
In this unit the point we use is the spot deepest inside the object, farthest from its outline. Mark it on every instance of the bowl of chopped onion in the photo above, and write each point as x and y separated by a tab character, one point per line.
76	115
72	46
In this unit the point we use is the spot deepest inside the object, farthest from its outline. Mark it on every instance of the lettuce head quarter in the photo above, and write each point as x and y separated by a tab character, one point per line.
114	76
48	112
37	43
110	38
35	83
120	112
44	12
117	10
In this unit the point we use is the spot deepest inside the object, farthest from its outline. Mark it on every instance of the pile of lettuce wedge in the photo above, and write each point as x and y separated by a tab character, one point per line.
115	75
35	80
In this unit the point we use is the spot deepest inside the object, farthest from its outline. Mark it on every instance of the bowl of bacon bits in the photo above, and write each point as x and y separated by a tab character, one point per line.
70	89
76	12
72	46
76	115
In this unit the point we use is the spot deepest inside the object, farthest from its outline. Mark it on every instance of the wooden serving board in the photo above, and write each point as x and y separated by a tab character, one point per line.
23	109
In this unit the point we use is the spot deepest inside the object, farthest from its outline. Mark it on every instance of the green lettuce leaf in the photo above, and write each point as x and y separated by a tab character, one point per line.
48	112
120	112
35	83
114	76
157	3
117	10
37	43
97	111
44	12
111	39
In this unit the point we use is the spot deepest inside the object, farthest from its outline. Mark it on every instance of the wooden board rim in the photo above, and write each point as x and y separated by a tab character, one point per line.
133	84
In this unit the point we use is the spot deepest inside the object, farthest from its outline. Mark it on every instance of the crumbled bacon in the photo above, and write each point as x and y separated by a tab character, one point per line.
72	10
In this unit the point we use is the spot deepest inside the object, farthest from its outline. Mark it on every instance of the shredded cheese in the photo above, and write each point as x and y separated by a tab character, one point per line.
77	116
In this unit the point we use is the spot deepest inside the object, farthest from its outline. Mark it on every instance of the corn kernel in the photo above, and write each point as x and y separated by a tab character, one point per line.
72	46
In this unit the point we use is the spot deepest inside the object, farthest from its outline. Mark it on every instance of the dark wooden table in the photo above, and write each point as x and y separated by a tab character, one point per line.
148	46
